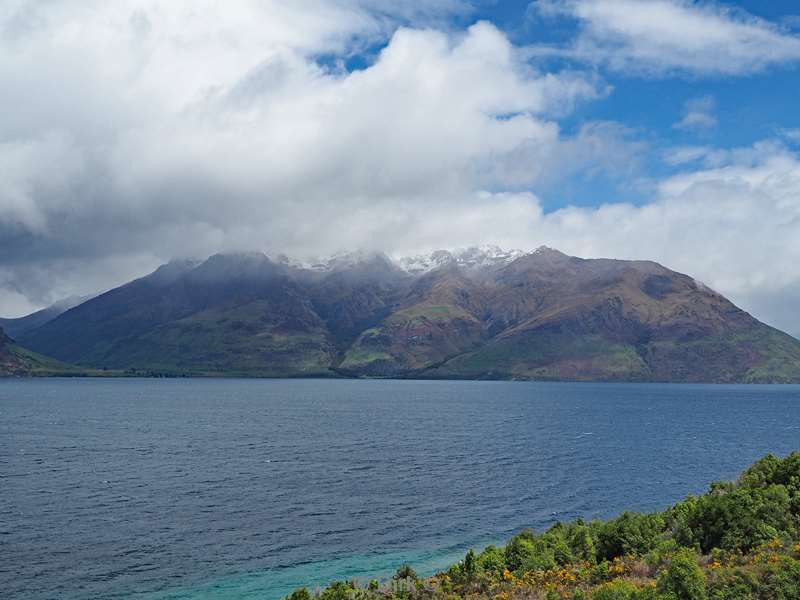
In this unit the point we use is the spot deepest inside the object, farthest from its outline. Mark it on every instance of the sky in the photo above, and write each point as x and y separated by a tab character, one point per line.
137	131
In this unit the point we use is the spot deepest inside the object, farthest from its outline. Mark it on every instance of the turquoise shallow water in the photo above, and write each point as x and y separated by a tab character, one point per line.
280	582
154	489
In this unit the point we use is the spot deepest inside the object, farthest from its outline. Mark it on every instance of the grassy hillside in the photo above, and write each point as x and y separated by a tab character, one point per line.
739	541
17	361
241	339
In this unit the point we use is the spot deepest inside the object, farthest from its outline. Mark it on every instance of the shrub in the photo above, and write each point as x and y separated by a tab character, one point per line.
630	533
733	584
300	594
683	579
617	590
492	560
781	580
470	564
338	590
405	572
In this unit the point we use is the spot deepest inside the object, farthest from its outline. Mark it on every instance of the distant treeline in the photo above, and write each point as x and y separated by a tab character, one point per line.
739	541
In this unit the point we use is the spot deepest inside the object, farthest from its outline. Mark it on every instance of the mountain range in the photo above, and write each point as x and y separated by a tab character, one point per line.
480	313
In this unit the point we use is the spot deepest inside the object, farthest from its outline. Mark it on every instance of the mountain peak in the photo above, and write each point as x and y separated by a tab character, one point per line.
547	251
473	257
167	273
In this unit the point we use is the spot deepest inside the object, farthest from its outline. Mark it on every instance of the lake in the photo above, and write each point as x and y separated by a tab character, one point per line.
155	489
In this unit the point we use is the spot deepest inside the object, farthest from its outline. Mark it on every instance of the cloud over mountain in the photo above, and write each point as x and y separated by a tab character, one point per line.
134	132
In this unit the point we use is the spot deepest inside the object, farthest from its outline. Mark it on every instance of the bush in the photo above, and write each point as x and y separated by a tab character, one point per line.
733	584
782	580
683	578
630	533
470	565
528	552
492	560
405	572
300	594
762	505
338	590
617	590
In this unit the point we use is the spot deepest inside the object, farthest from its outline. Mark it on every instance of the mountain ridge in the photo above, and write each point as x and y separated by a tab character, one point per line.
475	313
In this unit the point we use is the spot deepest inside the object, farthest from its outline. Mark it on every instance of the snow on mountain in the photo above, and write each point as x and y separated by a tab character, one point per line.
474	257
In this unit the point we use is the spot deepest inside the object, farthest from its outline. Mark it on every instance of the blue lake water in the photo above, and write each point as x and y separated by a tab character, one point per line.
217	489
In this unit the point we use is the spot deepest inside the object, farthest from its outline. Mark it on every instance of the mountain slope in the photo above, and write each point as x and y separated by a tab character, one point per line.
21	325
17	361
229	314
476	314
550	316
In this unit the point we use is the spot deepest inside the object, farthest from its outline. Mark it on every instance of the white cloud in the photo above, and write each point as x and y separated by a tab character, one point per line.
793	135
662	36
698	115
682	155
144	129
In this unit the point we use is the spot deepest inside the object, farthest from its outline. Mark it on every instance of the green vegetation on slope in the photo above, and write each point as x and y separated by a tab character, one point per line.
545	355
240	340
16	361
739	541
411	339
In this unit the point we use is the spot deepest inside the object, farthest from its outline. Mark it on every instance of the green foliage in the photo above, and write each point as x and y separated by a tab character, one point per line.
338	590
630	533
733	584
622	590
405	572
782	580
470	566
300	594
759	507
492	560
683	579
582	542
529	552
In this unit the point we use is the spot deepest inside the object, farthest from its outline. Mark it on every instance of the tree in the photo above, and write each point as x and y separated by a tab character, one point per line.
469	566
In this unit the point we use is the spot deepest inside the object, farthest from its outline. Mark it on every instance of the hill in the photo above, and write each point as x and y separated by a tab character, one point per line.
17	361
480	313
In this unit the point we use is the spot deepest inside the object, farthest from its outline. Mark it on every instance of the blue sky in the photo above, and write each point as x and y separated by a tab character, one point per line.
139	131
747	108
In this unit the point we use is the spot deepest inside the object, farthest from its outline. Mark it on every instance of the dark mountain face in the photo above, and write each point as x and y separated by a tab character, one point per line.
230	313
7	362
22	325
542	315
353	297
